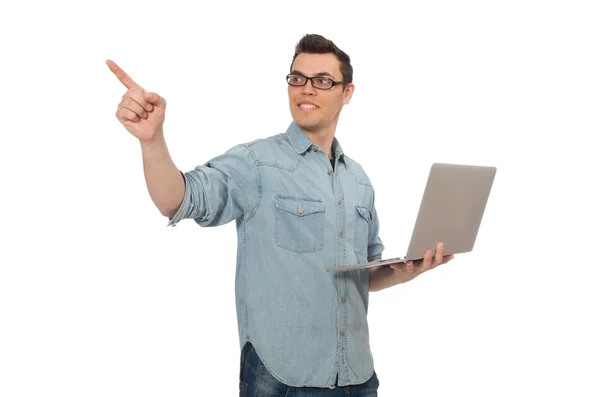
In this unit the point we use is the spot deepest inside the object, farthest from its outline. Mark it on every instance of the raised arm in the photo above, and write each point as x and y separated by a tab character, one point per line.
142	113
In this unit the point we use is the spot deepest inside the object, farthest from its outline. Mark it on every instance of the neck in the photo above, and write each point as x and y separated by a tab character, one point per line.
322	138
325	142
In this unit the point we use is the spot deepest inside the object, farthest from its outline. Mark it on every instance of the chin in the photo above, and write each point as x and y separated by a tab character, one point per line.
305	122
307	125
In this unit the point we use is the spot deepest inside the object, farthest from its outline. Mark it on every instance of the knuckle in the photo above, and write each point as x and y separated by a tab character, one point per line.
131	93
129	115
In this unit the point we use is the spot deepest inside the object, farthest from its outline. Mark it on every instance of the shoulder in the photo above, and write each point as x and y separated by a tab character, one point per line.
265	144
274	151
252	150
358	171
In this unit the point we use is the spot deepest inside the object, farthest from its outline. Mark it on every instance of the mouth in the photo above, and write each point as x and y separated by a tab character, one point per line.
307	107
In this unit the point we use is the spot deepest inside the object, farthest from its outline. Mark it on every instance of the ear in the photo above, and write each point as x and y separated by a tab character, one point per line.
348	91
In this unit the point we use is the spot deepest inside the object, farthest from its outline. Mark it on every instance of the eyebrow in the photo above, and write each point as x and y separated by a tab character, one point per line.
320	74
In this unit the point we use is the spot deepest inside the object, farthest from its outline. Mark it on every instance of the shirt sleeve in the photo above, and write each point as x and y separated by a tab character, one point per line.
376	247
221	190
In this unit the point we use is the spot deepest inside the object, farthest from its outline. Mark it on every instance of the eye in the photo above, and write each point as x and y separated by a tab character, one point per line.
323	82
296	79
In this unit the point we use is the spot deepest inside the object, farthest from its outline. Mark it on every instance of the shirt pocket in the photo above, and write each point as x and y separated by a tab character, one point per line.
361	233
299	224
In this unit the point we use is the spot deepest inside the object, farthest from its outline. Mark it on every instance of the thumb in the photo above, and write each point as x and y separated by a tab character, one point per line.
155	99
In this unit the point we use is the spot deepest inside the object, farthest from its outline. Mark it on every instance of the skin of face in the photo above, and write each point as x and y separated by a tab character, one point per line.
317	111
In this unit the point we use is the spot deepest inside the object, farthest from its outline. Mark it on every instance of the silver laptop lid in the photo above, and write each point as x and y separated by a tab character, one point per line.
451	209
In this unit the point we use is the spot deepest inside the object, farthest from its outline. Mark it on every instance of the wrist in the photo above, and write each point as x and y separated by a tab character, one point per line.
158	139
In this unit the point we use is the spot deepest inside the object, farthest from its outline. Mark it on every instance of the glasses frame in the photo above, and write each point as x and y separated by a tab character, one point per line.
333	83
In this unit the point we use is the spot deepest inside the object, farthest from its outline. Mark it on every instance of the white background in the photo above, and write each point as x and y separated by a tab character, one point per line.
99	298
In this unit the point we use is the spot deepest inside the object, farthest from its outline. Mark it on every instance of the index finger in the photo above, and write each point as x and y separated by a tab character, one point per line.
121	75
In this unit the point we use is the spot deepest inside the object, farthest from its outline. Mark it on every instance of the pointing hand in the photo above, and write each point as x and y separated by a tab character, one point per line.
141	112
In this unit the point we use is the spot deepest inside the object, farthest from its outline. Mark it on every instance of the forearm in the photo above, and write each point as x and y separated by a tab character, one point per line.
381	278
163	179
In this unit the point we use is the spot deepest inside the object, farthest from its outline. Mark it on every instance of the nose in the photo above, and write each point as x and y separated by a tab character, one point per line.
308	89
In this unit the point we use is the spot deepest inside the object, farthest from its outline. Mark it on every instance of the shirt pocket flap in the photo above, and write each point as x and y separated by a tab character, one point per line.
364	212
299	207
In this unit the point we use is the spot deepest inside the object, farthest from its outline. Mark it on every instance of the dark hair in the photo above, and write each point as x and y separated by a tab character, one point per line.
317	44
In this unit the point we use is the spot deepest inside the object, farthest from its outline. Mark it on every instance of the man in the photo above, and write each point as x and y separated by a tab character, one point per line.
301	206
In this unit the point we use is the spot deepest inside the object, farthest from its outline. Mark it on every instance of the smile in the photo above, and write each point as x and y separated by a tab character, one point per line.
307	107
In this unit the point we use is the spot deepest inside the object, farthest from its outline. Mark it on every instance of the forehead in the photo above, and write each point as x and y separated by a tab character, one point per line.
311	64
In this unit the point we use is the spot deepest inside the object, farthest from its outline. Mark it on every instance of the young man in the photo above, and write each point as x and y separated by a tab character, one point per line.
301	206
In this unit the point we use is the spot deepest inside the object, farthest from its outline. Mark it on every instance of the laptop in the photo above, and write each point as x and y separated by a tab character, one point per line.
451	211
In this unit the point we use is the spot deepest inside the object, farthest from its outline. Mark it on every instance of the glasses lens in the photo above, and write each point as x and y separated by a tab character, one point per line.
296	79
322	82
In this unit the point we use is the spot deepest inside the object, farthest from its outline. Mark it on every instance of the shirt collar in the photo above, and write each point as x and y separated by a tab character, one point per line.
301	143
337	149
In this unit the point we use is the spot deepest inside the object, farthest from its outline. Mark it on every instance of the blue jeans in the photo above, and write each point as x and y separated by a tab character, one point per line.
257	381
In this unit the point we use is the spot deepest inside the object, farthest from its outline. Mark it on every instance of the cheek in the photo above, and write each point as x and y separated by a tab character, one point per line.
335	106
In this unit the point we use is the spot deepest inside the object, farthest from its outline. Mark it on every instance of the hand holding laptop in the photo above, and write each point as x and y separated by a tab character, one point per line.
406	271
451	211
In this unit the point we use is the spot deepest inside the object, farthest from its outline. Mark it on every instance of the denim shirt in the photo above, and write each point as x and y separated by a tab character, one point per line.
296	217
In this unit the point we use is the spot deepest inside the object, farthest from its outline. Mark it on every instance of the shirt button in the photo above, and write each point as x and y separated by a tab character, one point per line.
342	333
330	172
314	148
300	210
341	234
343	300
339	202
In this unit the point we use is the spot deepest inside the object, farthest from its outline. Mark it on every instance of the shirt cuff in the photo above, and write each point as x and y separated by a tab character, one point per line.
375	251
184	208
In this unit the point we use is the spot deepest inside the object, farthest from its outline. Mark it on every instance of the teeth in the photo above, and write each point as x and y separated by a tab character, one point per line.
307	106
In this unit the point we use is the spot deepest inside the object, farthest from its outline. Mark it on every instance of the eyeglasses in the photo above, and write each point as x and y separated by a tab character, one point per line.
320	82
